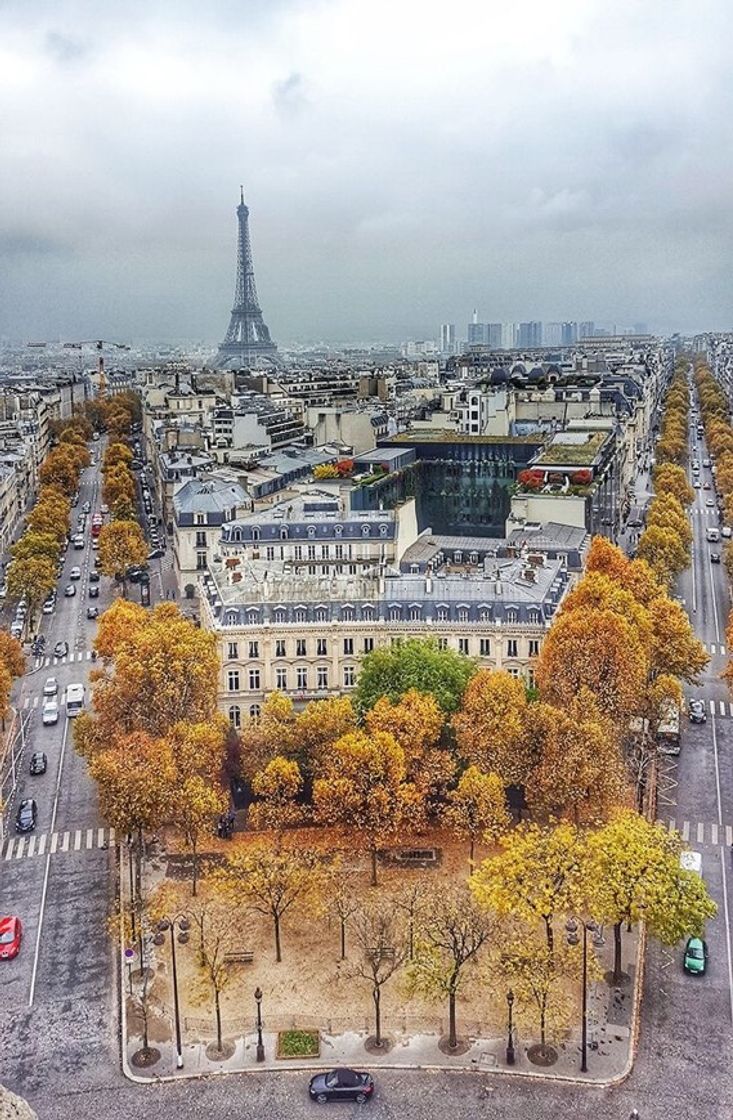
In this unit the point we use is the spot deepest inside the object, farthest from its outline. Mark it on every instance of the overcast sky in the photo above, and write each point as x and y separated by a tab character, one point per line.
403	160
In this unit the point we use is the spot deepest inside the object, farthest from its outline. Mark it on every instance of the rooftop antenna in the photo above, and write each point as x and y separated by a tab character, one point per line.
241	193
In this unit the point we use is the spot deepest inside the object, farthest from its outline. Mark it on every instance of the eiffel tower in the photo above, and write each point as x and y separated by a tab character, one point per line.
247	343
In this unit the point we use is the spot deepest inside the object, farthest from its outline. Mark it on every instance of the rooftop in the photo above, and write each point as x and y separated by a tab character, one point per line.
572	449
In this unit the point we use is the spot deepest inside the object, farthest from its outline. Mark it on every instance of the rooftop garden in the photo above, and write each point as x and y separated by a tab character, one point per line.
539	481
572	454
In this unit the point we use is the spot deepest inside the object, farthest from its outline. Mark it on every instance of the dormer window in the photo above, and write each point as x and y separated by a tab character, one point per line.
231	618
365	530
347	614
383	530
338	530
283	534
442	614
367	613
511	614
255	533
395	614
311	531
463	614
280	615
415	614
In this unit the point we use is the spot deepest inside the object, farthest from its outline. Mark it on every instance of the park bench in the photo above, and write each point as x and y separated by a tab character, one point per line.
240	956
421	857
383	952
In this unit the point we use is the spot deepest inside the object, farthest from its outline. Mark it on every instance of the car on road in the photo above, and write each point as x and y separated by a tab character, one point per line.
94	577
25	819
75	573
104	509
706	486
16	629
51	687
69	591
706	462
3	591
156	554
49	605
50	713
696	956
726	531
92	612
696	711
709	503
87	507
61	649
341	1085
696	484
39	762
135	573
11	935
714	557
94	592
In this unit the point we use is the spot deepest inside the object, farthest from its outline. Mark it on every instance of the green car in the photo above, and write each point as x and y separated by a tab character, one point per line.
696	956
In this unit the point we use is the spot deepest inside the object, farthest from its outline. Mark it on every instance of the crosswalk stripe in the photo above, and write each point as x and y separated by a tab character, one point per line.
31	846
712	647
26	702
100	837
77	840
89	655
712	707
20	847
42	844
722	651
729	835
38	663
722	708
111	838
715	832
35	701
9	849
90	835
54	842
65	842
700	833
686	831
671	824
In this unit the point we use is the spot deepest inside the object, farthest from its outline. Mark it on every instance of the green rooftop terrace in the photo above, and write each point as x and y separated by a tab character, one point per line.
561	454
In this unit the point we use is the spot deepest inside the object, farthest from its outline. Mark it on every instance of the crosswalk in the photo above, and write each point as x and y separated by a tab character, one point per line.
715	648
701	832
51	843
44	662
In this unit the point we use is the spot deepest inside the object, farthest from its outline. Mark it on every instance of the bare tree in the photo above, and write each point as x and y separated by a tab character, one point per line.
383	951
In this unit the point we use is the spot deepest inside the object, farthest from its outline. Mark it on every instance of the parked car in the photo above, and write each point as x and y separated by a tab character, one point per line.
16	629
696	711
87	507
726	531
75	573
706	462
156	554
92	612
69	591
49	605
94	592
50	713
61	649
11	934
696	484
706	486
696	956
709	503
94	577
51	687
341	1085
3	591
39	763
104	508
25	820
714	557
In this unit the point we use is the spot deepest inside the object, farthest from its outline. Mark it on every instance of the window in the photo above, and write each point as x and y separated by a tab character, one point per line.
280	647
442	614
280	616
301	674
253	616
200	561
485	614
457	556
200	539
383	530
255	534
442	643
338	530
311	569
254	711
232	651
231	618
352	569
281	678
511	614
300	614
474	557
254	649
534	647
349	676
321	647
321	614
300	647
236	535
463	614
311	552
348	646
368	645
533	617
484	647
254	680
233	680
513	672
367	613
298	552
511	647
365	530
347	614
283	534
463	646
235	716
415	614
200	518
322	672
269	552
311	531
395	614
325	552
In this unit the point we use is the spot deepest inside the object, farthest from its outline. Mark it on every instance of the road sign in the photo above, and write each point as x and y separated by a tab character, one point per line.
129	956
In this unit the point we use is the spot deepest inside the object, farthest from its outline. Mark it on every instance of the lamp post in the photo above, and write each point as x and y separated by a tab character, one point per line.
510	1055
589	926
260	1043
183	925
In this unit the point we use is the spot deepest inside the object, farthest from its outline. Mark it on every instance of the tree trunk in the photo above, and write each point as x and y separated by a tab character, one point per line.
217	1005
411	949
377	997
617	952
550	934
278	952
124	588
471	850
543	1015
343	939
194	854
374	866
452	1033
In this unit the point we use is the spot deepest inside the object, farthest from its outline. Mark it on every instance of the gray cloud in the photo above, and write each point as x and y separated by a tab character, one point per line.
401	168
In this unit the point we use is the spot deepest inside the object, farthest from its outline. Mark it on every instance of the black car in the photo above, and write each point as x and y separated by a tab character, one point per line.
94	577
92	612
696	710
61	649
39	762
93	592
156	554
714	557
25	820
341	1085
135	574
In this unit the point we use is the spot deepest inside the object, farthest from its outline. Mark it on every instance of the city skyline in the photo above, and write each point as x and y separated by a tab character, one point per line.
577	190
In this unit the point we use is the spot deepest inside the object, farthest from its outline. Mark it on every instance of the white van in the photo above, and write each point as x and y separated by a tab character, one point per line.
74	699
712	534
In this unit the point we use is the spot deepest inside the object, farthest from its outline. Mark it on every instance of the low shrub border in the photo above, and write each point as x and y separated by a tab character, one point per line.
298	1044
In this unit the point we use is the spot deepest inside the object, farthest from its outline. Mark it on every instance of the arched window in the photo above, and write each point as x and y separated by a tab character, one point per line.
231	618
236	534
511	614
383	530
283	534
474	557
442	614
255	534
321	614
347	614
301	615
235	716
311	531
463	614
254	711
415	614
395	614
253	616
367	613
533	617
280	614
338	530
485	614
365	530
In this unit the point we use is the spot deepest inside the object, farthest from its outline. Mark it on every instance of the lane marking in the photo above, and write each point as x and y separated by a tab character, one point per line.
700	833
54	843
712	707
42	844
65	842
726	913
21	846
9	849
671	824
31	846
722	708
714	831
77	840
686	831
729	835
90	834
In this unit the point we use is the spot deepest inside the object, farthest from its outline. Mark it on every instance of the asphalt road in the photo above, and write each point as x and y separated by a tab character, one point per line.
61	1050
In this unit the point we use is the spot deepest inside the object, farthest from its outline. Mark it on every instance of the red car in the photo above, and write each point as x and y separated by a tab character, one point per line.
11	932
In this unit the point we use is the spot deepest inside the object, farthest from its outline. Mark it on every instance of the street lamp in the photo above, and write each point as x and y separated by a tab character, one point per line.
510	1056
589	926
183	925
260	1043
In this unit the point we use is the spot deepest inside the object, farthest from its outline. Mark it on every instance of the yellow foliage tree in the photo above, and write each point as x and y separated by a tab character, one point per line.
121	545
278	787
415	720
490	726
477	808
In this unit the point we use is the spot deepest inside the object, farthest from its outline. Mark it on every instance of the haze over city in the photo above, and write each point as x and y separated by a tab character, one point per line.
403	164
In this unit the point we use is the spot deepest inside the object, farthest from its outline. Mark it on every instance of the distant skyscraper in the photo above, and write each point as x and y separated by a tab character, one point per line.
569	334
552	334
447	338
494	335
587	329
476	331
508	335
529	335
247	342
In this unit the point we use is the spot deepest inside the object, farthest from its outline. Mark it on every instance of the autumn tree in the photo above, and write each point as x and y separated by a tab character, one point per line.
121	545
33	544
318	727
341	895
278	787
31	579
135	782
670	479
274	883
118	492
417	723
539	979
490	726
362	787
666	512
452	932
413	664
217	922
664	552
633	874
674	647
477	808
115	455
271	733
194	808
61	468
383	950
11	654
535	875
50	514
